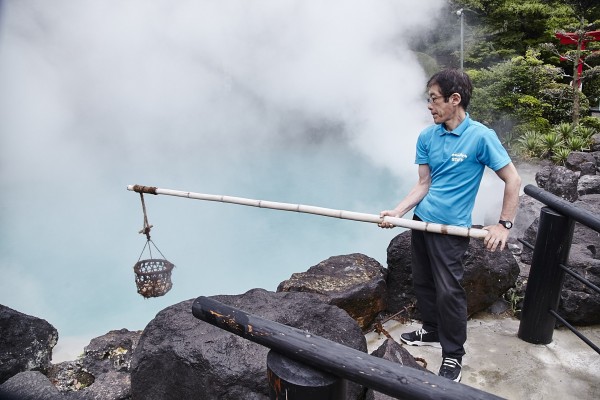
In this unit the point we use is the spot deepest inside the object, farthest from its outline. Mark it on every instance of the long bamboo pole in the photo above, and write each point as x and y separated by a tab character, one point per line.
326	212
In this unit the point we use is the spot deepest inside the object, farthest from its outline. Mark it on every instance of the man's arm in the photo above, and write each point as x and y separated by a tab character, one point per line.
498	234
413	198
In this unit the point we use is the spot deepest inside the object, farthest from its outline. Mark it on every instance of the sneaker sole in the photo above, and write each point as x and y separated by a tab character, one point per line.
419	343
459	377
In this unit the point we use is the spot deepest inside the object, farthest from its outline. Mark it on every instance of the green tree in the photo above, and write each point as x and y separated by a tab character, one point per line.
508	28
517	87
509	96
498	30
504	29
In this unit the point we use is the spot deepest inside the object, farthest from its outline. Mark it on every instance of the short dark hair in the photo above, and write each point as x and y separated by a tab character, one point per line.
453	81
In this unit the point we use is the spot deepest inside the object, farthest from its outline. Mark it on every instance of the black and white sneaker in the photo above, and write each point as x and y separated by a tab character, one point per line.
421	338
451	369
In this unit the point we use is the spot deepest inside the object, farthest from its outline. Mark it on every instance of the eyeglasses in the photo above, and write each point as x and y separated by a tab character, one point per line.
433	99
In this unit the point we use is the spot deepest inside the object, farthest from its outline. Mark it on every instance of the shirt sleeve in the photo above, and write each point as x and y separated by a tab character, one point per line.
491	152
422	153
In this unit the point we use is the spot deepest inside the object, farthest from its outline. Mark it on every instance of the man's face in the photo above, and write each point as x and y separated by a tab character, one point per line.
441	110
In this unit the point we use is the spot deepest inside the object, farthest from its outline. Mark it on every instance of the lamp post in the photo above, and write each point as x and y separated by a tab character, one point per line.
460	13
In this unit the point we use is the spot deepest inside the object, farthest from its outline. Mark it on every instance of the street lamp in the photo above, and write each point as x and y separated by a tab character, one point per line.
460	13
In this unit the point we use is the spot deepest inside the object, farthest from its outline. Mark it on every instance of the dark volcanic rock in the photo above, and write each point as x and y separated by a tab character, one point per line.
102	373
596	142
180	357
487	275
111	385
395	352
588	184
529	210
581	161
29	385
36	386
26	343
543	175
401	294
559	180
529	236
354	282
110	352
69	376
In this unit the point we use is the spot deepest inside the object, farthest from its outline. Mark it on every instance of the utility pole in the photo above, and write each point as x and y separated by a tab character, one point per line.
460	13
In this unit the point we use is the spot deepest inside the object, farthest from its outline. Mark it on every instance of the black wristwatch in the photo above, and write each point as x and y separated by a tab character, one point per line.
506	224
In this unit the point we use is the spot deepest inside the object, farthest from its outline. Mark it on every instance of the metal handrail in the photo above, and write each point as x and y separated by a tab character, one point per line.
564	207
580	278
575	331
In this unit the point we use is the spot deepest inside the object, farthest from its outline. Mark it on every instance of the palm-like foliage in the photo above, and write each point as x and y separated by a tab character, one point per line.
529	144
560	155
557	143
577	143
585	132
564	130
550	142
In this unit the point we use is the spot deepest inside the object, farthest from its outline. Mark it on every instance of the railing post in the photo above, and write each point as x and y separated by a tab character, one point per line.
552	245
292	380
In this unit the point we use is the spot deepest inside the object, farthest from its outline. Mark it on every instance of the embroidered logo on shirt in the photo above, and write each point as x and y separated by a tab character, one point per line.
458	157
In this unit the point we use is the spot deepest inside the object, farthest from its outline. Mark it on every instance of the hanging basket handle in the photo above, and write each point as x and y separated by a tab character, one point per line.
146	229
149	244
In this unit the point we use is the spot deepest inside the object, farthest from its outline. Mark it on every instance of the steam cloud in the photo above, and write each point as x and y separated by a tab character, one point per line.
130	75
264	98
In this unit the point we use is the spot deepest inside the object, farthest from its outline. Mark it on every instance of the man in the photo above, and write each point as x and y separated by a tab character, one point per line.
451	157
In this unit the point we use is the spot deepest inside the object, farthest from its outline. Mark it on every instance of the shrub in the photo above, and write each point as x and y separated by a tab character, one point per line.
591	122
577	143
560	155
528	144
585	132
564	130
550	142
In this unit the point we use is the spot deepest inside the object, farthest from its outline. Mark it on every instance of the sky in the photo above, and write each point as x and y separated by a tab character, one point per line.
316	103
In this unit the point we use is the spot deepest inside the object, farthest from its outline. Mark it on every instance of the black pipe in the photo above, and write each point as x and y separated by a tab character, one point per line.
564	207
381	375
580	278
575	331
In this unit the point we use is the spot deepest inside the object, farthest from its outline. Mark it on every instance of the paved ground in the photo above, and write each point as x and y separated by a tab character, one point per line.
498	362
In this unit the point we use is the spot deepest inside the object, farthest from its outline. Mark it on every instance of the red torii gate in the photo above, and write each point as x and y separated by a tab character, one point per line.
572	38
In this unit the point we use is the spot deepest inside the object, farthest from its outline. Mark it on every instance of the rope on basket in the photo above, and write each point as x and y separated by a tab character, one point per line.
153	275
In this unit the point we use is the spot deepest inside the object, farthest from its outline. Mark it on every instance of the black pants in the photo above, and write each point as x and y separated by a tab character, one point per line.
437	270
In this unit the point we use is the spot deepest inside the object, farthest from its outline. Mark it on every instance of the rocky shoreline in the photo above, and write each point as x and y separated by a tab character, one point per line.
177	355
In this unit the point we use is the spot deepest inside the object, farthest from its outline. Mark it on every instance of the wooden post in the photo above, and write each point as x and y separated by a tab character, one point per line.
291	380
552	245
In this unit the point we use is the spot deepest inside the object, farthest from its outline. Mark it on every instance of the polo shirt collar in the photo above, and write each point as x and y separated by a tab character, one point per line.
459	129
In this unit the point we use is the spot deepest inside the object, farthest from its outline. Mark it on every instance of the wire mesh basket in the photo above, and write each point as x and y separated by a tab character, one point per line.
153	277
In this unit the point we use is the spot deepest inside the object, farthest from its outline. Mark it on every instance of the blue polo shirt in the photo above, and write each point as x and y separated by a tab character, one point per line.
456	160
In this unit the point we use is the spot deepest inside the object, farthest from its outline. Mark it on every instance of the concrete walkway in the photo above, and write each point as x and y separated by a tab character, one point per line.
498	362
